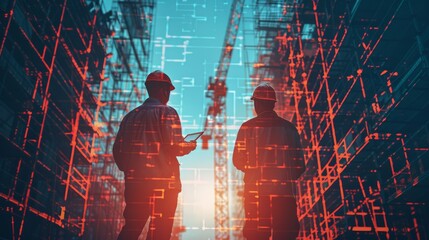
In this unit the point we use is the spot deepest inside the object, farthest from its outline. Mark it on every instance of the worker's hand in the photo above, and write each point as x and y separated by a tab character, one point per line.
187	147
193	145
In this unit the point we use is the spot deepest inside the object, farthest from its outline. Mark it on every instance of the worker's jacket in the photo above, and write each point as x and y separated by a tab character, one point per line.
147	144
268	150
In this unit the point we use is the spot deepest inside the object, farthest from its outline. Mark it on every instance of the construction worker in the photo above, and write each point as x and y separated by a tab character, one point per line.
268	151
146	146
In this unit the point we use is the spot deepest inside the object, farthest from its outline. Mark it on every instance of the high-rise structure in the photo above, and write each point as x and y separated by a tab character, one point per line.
52	63
69	72
353	75
129	50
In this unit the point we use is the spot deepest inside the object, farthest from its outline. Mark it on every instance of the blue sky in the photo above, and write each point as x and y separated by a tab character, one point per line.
188	39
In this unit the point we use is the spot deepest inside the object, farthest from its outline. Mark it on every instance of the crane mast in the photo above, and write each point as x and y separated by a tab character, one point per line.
216	120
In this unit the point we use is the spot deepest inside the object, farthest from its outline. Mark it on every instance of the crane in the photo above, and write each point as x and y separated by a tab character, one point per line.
216	120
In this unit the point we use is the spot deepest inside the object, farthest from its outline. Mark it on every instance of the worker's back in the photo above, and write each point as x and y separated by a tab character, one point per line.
142	139
272	153
268	150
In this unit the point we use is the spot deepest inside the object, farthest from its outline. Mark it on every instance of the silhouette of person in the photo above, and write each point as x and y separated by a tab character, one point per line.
146	146
268	151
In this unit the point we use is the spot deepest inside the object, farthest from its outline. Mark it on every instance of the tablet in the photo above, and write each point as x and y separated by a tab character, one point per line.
193	136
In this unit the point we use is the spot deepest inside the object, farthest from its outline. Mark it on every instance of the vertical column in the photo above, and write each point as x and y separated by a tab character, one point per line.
45	106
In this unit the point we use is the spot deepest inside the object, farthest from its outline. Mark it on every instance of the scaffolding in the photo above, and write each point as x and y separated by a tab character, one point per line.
51	69
129	48
69	72
360	109
216	123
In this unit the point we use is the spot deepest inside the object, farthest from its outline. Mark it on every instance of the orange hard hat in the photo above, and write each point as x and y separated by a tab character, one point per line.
264	92
158	76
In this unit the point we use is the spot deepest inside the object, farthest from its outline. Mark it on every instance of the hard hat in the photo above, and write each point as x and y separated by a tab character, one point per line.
264	92
158	76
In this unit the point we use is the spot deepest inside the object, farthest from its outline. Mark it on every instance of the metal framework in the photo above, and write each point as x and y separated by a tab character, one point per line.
359	107
216	120
129	48
51	65
69	72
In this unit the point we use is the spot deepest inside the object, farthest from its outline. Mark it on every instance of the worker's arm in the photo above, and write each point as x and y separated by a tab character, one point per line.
298	156
119	150
172	134
239	156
